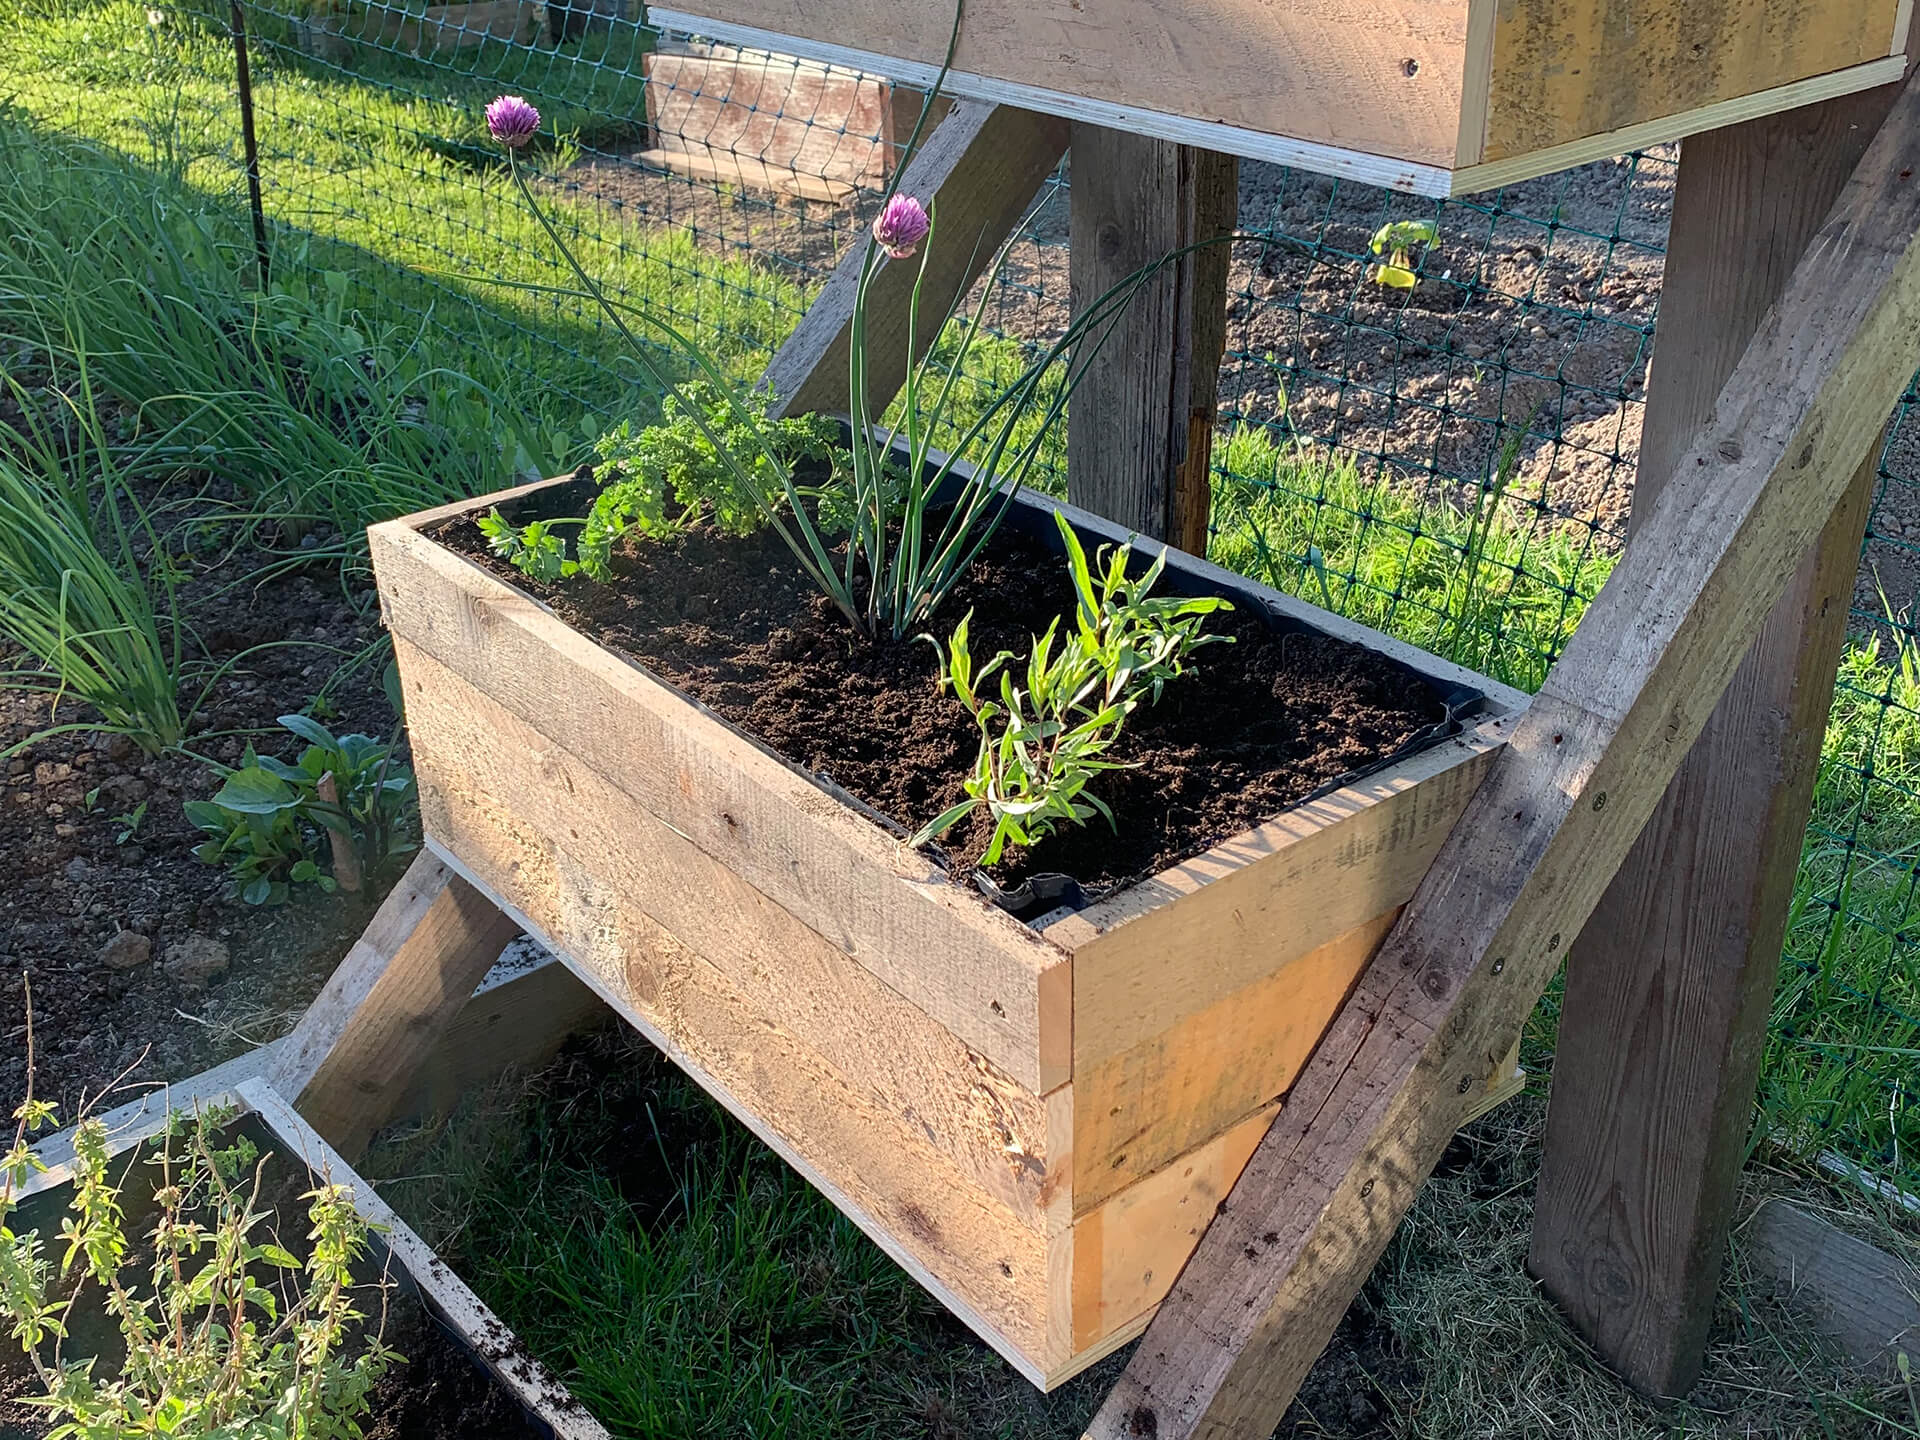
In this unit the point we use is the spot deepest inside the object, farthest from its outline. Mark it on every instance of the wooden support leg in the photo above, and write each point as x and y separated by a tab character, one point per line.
980	168
1529	861
1140	426
353	1055
1669	985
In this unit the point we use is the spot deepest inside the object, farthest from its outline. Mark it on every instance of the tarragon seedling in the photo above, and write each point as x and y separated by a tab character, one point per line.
1043	741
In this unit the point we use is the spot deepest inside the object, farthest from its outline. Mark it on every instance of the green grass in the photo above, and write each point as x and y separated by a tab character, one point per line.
1502	597
682	1278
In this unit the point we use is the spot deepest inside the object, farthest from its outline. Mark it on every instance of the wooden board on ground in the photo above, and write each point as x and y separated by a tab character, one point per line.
765	121
1854	1292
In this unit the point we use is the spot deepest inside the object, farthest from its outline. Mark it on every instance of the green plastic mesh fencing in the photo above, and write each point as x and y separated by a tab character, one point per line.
1449	460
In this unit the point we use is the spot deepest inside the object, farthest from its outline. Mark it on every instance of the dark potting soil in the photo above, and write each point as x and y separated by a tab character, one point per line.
1252	729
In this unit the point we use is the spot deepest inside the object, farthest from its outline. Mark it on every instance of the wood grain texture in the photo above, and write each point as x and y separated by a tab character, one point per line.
615	888
997	985
1140	428
1564	69
1290	70
516	1025
1669	985
987	1263
980	168
1529	861
355	1051
1857	1293
1143	1106
1302	880
1127	1251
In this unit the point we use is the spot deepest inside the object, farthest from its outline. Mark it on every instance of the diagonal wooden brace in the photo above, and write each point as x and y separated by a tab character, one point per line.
354	1054
1546	832
980	168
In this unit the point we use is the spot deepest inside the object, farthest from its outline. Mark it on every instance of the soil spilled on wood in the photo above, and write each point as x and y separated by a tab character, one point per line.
1253	728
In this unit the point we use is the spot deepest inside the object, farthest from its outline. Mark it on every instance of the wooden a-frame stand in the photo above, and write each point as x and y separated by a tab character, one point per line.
1751	501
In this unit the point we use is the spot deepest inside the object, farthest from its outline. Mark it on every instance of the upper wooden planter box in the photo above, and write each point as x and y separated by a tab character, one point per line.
1439	97
1037	1123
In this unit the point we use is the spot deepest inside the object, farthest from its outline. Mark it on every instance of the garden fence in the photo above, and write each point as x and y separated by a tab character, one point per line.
1363	425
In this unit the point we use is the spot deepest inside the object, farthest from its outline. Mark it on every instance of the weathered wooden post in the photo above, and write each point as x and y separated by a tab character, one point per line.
1140	427
1668	987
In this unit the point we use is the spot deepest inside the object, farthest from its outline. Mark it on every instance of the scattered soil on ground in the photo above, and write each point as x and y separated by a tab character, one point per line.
117	928
1253	728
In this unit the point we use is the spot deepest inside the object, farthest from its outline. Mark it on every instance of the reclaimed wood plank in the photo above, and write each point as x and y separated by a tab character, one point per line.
999	986
1668	986
1140	429
1528	863
404	981
568	848
1856	1293
979	168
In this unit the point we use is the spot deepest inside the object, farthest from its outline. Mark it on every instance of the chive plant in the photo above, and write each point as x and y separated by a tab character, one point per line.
919	518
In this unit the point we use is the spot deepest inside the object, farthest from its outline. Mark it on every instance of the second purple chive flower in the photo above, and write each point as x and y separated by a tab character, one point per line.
512	121
901	227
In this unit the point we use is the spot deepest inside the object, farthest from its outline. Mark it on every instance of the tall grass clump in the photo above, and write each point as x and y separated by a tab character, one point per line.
315	413
71	535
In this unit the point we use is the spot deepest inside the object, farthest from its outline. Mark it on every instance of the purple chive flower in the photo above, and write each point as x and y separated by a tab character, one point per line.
901	226
512	121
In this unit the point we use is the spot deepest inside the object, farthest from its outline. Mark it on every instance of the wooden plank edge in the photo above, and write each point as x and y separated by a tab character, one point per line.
1414	177
526	1379
140	1120
1275	836
1511	170
841	1201
723	166
1902	29
1476	83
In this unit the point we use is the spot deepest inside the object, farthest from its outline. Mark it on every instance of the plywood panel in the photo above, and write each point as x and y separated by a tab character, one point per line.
1298	69
1564	69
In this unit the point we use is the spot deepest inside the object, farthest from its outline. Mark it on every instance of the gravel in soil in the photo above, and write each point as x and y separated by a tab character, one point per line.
1251	729
136	953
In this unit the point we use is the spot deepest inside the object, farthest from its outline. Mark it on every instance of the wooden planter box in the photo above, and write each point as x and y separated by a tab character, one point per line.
1434	96
1037	1123
395	1249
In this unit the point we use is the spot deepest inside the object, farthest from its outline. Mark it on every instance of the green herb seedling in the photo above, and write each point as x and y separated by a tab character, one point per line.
1042	742
1397	240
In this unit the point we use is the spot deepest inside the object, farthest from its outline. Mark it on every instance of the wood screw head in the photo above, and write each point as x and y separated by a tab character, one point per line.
1409	68
1554	943
1600	801
1499	964
1366	1190
1466	1083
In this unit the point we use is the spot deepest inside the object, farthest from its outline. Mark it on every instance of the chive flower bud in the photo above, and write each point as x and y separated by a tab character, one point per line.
512	121
901	226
